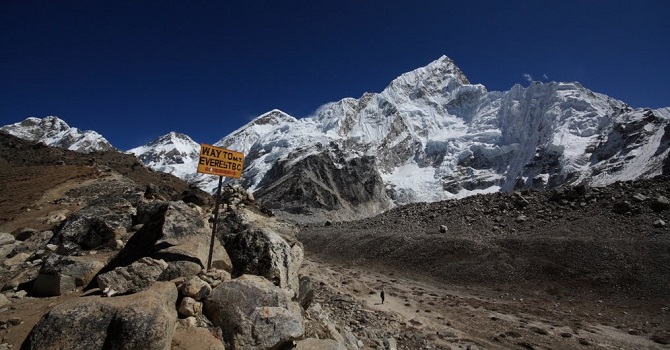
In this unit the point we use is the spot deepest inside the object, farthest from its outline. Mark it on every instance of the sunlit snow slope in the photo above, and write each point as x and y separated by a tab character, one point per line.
55	132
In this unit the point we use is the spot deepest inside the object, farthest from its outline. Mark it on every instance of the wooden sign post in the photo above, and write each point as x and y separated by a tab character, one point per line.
221	162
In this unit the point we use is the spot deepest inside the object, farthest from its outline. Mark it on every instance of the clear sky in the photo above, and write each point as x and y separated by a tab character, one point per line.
135	70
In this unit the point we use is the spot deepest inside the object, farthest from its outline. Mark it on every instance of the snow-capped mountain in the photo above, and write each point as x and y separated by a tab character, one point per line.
429	135
53	131
173	153
435	136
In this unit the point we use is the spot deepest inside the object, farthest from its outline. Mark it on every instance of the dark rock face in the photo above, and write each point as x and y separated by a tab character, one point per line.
99	224
60	274
174	232
319	182
306	294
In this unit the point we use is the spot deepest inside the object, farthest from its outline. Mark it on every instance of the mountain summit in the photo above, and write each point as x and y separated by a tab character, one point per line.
53	131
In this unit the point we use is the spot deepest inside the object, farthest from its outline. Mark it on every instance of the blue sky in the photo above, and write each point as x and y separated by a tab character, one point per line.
135	70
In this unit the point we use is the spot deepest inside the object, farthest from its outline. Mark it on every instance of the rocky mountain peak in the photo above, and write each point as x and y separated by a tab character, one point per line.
438	77
53	131
273	117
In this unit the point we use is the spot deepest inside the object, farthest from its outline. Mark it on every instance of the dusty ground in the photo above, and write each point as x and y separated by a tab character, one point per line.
427	314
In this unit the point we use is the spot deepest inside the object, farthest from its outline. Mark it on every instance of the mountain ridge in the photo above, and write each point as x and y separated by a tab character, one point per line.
433	136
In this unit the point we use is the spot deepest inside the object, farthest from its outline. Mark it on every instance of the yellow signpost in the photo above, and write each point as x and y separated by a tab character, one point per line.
222	162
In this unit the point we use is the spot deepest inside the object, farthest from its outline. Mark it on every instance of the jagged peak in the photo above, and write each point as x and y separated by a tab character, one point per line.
171	137
273	117
438	77
51	122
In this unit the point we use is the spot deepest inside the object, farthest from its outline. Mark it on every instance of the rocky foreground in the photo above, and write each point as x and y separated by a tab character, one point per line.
98	252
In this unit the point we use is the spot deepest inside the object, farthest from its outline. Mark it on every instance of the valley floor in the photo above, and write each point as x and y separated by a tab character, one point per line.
420	313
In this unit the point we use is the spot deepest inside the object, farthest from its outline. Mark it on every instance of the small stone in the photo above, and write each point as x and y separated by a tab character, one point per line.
443	229
661	338
521	218
660	203
4	301
14	321
52	247
16	259
195	288
584	342
622	207
659	223
639	197
188	322
190	307
20	294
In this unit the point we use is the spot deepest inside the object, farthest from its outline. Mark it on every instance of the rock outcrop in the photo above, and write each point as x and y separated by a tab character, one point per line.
254	314
142	321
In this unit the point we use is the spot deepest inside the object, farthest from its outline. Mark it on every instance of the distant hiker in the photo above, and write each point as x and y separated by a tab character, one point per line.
382	295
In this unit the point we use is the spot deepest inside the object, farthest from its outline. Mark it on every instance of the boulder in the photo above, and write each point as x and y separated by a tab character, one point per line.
660	203
214	276
264	253
188	338
306	292
4	301
321	344
175	232
61	274
253	313
134	278
97	225
190	307
196	196
36	241
6	238
16	260
141	321
195	288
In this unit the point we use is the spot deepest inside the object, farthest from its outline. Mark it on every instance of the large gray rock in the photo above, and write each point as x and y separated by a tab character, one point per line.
321	344
264	253
189	338
97	225
195	288
306	293
140	321
36	241
134	278
254	314
61	274
174	232
6	238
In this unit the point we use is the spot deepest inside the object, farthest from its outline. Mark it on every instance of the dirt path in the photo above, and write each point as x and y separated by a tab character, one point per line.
422	314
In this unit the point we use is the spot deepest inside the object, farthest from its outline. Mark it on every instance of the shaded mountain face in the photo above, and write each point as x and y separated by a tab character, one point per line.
324	185
55	132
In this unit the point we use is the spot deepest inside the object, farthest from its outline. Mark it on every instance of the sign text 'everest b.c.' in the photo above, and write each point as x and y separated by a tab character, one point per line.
220	161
